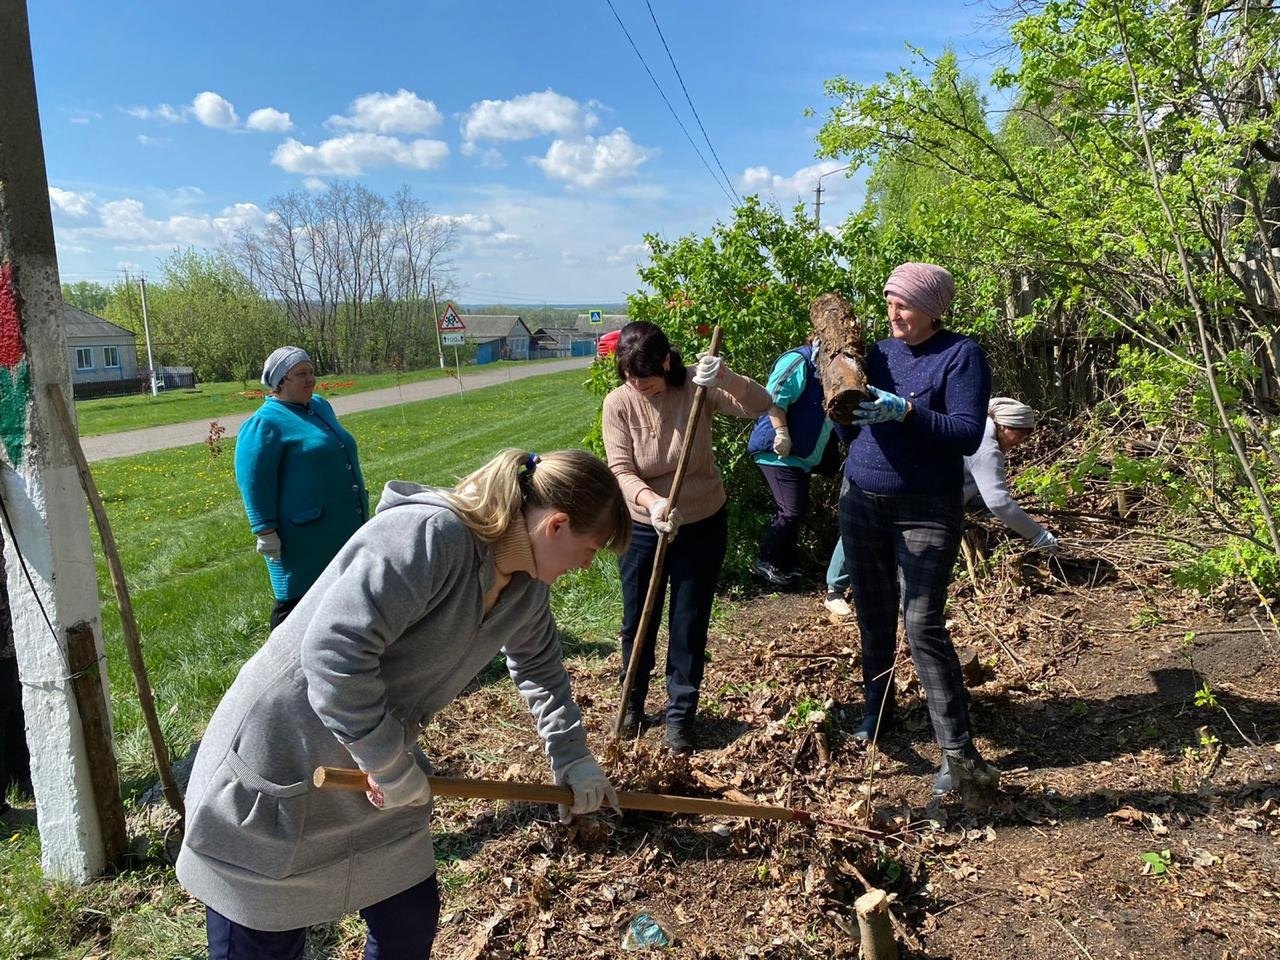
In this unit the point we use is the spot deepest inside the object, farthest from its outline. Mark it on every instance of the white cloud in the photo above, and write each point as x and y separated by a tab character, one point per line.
470	222
628	253
81	114
799	185
165	112
482	275
354	153
315	184
214	110
528	115
569	259
593	161
125	225
490	157
399	112
148	141
269	120
71	203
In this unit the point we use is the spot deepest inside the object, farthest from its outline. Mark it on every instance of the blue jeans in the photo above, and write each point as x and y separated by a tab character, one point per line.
837	569
401	927
693	562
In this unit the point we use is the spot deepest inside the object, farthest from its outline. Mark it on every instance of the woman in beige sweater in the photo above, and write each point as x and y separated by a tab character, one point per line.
645	421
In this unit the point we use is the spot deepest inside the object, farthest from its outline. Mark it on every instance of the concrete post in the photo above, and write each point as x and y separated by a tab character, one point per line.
49	541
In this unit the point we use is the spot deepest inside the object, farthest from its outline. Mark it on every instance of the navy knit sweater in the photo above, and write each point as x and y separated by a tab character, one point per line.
948	383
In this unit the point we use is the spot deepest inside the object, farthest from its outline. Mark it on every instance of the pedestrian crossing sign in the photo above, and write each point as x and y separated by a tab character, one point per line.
597	316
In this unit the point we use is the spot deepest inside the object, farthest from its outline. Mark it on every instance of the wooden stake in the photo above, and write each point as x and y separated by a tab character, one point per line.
86	684
128	622
875	925
337	778
659	557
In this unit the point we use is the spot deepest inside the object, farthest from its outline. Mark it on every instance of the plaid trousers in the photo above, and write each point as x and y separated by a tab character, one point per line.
900	550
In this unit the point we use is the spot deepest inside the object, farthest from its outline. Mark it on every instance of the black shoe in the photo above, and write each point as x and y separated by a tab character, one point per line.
965	768
679	740
879	710
771	575
867	732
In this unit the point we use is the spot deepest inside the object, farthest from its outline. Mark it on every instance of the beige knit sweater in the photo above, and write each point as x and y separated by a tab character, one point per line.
643	436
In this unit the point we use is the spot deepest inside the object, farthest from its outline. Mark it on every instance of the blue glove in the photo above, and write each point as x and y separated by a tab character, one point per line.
885	407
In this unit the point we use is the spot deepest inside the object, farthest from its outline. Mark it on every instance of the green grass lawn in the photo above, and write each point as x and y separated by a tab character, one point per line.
212	400
202	600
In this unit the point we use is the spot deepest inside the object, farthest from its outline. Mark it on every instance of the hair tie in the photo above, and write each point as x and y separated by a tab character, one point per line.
525	476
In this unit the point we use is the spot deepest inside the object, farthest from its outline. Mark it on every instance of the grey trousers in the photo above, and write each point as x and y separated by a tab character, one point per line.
900	550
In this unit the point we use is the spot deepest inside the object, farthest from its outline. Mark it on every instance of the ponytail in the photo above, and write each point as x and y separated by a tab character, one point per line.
571	481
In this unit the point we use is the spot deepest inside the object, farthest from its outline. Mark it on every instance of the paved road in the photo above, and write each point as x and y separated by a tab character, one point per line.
133	442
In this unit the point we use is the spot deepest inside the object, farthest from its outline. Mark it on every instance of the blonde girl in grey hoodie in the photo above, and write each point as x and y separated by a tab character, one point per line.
415	604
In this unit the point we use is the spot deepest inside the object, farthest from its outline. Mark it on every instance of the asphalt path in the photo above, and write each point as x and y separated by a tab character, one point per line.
132	442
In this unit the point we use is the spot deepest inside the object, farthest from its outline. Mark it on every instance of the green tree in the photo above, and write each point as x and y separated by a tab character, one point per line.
204	313
1129	193
88	296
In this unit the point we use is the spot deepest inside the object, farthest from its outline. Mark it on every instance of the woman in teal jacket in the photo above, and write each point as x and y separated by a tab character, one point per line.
299	474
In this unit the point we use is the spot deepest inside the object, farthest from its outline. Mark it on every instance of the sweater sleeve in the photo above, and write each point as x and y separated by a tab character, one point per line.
619	447
967	393
536	665
380	592
259	449
987	467
742	397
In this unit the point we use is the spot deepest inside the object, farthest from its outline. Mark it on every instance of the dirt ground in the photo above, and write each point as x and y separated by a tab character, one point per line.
1136	728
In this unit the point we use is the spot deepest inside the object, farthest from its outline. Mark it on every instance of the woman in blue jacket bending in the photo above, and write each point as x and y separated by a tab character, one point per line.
299	474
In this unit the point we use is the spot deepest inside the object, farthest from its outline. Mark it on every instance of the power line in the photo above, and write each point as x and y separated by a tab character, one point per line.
675	115
689	100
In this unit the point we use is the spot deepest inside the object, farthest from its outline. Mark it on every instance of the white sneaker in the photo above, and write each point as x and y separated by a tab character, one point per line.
838	607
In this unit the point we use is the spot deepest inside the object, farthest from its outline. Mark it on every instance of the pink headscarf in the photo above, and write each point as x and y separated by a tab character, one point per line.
924	286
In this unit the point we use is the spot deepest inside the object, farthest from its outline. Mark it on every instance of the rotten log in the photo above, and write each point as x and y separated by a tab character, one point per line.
838	355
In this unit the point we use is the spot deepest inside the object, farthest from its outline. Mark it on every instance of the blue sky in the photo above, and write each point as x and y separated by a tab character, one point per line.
534	126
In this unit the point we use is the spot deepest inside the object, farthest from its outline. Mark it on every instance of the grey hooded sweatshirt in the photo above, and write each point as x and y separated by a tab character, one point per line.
390	633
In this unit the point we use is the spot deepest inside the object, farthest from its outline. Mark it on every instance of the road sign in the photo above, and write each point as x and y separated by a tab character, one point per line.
450	321
453	339
597	316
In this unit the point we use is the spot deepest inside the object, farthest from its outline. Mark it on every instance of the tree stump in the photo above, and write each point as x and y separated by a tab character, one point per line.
876	926
838	356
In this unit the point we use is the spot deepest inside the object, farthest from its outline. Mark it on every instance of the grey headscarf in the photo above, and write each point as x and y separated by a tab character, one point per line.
281	361
1009	412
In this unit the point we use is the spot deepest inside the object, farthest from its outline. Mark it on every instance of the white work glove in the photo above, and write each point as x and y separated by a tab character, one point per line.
781	441
1046	542
666	519
269	544
591	789
710	371
403	784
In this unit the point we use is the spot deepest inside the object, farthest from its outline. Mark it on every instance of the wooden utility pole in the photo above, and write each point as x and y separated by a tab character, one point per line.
48	556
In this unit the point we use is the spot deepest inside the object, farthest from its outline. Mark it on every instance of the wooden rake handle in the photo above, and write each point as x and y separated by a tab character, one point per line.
338	778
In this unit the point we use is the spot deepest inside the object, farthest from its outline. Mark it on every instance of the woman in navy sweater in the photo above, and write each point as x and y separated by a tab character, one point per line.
901	508
299	474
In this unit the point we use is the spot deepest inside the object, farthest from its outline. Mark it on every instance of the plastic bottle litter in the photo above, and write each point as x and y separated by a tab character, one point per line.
644	932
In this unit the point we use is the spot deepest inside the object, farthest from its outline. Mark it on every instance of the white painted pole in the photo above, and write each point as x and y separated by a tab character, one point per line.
146	330
49	539
457	366
435	311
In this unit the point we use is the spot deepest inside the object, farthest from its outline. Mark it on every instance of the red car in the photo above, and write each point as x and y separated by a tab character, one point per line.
608	344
